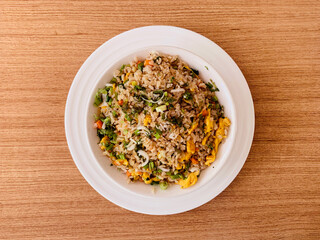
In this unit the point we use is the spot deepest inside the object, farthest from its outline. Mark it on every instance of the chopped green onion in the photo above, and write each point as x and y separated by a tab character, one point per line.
113	80
146	166
97	99
122	67
212	86
128	117
140	66
158	92
107	121
151	165
163	185
136	132
157	135
187	96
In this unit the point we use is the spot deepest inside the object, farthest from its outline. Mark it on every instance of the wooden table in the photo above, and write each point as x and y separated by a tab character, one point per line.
275	43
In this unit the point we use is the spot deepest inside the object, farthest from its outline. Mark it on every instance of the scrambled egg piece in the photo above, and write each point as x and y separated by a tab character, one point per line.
193	127
146	175
104	140
219	135
191	148
210	159
126	77
223	123
204	141
190	181
209	123
119	162
136	175
185	157
147	120
180	166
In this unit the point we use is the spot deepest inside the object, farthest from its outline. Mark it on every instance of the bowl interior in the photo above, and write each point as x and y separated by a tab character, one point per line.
207	72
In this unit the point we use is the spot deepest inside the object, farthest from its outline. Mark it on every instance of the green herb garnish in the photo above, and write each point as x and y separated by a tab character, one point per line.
151	165
128	117
163	185
187	96
212	86
113	80
140	66
121	156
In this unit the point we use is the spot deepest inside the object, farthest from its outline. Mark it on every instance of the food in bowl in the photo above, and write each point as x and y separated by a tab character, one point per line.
159	122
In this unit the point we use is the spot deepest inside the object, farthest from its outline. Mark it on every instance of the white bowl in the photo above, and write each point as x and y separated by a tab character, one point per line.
198	52
223	95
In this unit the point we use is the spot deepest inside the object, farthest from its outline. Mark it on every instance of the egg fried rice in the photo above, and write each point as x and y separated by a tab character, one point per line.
159	122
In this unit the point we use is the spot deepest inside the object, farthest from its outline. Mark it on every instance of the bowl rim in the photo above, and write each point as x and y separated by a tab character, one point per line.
222	159
213	54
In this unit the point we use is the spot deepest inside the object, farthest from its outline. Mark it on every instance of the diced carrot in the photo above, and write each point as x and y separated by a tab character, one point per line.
120	102
197	149
147	62
204	112
194	161
138	62
99	124
128	174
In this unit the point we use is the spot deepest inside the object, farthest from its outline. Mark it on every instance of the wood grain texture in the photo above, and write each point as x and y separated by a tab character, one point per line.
275	43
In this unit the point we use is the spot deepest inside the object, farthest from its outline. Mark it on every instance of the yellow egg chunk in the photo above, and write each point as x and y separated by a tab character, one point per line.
191	148
148	181
126	76
104	140
145	175
210	159
135	174
193	127
121	162
190	181
204	141
147	120
185	157
220	133
209	123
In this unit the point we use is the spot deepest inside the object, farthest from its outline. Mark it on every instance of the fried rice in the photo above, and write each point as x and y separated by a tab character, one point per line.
159	122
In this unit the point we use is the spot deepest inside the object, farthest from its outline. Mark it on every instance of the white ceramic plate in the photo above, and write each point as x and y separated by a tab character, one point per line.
198	52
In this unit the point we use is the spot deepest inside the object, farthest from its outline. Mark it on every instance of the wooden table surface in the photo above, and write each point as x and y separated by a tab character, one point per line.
275	43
